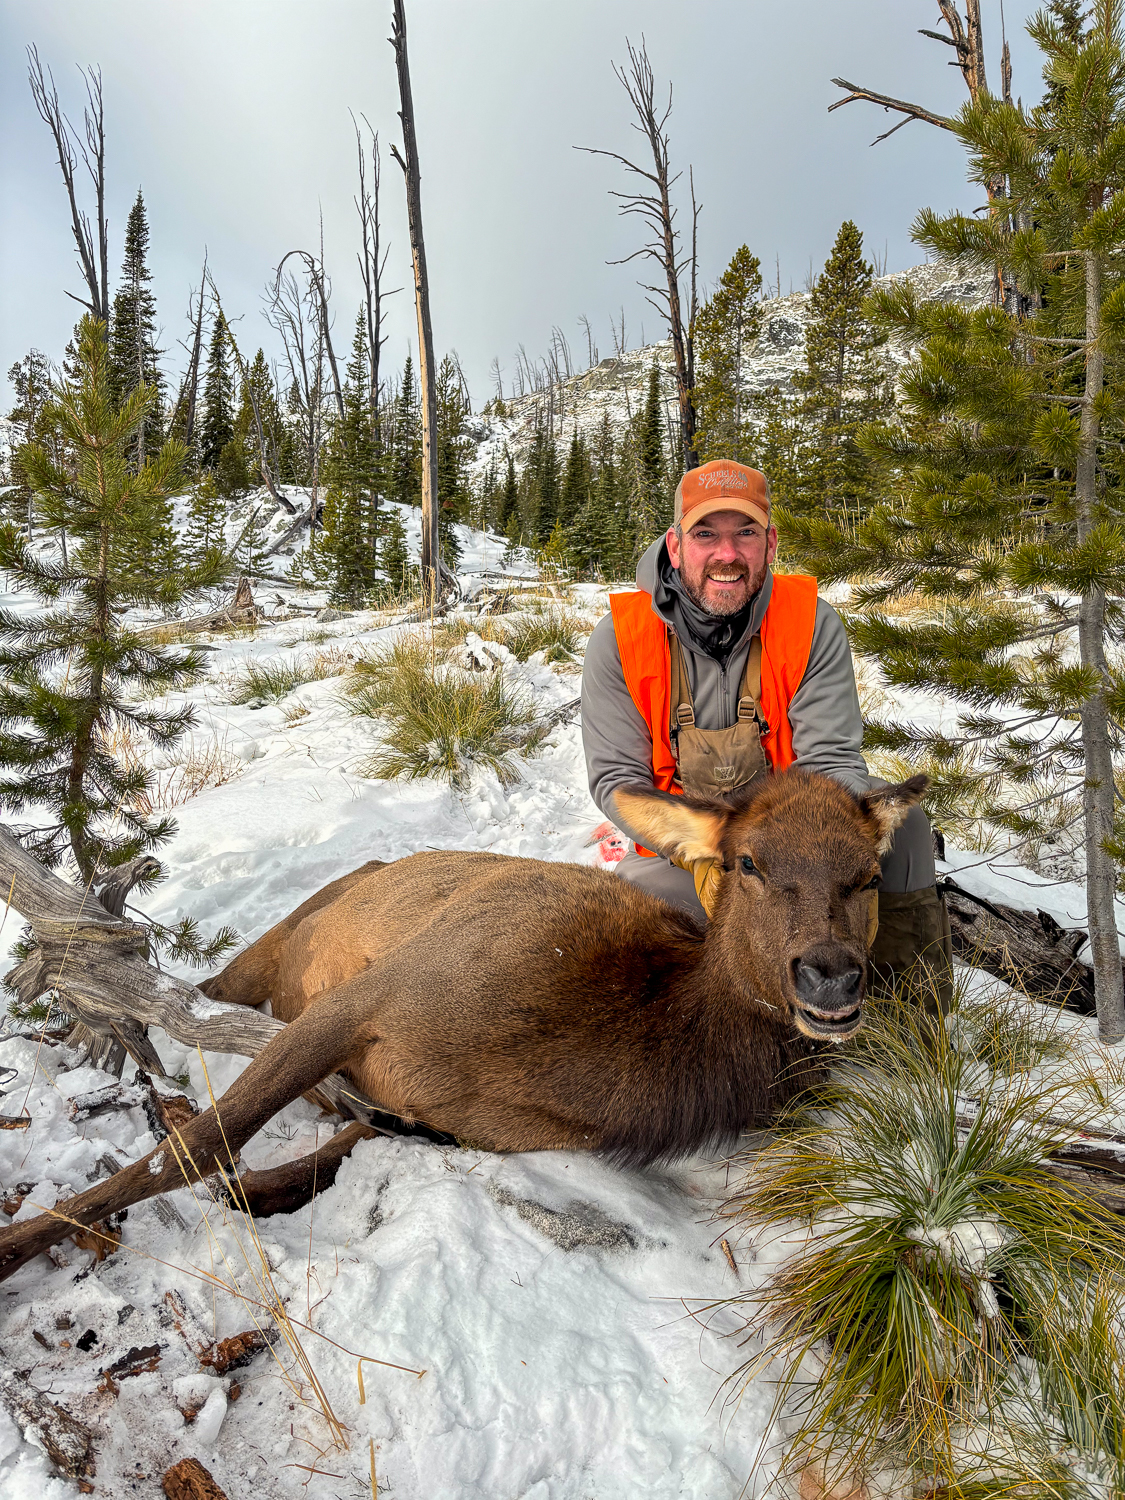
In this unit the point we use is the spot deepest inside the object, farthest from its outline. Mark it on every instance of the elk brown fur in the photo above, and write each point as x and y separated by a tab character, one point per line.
521	1005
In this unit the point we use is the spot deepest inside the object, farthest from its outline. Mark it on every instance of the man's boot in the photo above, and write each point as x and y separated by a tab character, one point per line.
914	948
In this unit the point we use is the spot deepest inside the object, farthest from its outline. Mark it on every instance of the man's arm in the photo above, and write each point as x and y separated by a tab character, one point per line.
614	735
824	714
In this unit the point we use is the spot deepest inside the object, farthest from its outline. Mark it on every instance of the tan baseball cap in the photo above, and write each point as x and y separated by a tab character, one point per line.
722	485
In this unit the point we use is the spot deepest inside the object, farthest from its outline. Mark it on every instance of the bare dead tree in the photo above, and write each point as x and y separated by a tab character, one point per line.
408	161
497	376
966	37
321	294
187	397
372	260
293	312
591	347
92	257
267	469
653	205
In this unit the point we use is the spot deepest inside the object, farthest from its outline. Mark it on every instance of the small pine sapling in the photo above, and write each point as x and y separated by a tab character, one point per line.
73	678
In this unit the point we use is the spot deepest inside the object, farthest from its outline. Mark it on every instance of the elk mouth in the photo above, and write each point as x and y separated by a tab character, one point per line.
827	1025
829	986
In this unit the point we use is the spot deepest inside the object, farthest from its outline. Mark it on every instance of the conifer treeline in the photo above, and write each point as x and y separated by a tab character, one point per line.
588	502
595	503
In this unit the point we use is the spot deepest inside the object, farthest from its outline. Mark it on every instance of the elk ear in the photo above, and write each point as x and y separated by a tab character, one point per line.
889	805
672	826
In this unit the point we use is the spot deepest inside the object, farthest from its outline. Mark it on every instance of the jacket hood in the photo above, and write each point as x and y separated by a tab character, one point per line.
669	605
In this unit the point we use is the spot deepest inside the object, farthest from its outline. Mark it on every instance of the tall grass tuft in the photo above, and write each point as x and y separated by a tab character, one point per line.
257	683
438	721
557	632
943	1257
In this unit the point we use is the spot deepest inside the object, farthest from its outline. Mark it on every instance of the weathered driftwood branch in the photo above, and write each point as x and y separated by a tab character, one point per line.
93	962
1027	949
240	611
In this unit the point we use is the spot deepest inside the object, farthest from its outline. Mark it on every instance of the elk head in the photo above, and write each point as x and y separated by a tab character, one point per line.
800	857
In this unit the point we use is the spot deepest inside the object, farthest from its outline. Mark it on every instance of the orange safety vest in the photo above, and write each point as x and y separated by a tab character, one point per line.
787	631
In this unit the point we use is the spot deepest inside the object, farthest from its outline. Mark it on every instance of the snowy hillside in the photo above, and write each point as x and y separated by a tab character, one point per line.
552	1328
616	387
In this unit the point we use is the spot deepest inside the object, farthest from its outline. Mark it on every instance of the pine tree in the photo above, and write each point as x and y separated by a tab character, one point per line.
258	403
216	428
452	439
1010	456
206	529
351	472
135	359
650	508
30	378
540	486
844	383
406	442
394	554
725	326
58	727
576	482
509	512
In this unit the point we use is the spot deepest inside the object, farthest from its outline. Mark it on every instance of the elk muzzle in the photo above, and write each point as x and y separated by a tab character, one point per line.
829	983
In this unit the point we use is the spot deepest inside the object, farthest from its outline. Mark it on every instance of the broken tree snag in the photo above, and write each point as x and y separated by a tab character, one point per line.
67	1442
189	1480
240	611
284	1189
408	161
94	964
1027	949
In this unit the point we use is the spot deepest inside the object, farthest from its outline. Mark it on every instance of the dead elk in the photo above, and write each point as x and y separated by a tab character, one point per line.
520	1005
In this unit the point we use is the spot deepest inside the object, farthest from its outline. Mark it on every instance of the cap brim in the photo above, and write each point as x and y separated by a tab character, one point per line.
712	504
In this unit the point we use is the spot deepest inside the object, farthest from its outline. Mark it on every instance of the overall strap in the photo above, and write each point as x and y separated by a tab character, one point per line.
750	696
681	713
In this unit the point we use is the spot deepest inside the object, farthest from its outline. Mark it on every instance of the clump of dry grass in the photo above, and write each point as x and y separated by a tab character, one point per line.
194	766
438	721
257	683
555	630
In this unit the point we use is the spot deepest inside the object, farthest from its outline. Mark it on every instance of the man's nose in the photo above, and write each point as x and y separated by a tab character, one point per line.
725	550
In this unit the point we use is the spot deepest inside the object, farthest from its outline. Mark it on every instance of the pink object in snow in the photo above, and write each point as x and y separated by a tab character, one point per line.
612	844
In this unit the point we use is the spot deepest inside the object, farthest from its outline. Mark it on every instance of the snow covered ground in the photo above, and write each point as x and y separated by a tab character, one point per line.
553	1317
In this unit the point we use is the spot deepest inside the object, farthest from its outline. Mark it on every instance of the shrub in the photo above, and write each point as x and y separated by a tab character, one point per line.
945	1255
439	721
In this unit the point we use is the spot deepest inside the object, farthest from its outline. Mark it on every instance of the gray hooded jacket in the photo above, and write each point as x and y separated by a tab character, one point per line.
824	713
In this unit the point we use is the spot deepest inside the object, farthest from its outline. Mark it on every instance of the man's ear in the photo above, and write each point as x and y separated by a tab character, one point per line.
670	825
887	806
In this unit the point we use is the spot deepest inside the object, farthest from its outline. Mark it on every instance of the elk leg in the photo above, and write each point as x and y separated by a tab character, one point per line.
315	1044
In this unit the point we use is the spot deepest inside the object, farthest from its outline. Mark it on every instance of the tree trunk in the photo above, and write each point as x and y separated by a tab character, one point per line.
431	579
1098	791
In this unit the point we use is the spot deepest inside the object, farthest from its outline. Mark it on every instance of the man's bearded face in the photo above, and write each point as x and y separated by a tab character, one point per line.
722	560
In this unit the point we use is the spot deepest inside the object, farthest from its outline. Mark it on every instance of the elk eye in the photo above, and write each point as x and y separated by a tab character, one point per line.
873	884
749	867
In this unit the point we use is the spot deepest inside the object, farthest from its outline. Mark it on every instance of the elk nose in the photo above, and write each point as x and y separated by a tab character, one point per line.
823	991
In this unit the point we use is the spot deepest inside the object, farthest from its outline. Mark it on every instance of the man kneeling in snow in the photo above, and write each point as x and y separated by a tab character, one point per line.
717	670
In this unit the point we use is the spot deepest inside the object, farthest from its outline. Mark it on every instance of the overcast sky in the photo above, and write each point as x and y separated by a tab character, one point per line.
232	115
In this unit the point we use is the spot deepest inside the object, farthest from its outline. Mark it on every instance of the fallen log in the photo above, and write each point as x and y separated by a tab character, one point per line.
93	964
1027	949
240	611
67	1443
